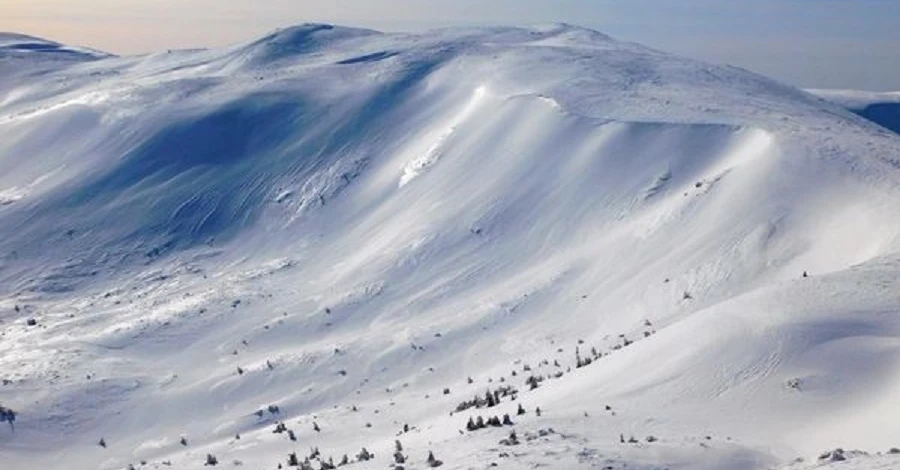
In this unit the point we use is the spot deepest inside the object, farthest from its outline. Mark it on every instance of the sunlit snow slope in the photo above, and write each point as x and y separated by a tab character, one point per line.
344	223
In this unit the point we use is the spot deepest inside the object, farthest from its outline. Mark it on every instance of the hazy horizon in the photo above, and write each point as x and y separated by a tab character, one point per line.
821	44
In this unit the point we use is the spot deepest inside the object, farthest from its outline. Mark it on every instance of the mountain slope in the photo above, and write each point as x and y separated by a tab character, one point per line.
880	108
330	218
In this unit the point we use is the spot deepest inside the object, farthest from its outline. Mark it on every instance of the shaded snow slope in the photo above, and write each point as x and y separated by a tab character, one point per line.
331	218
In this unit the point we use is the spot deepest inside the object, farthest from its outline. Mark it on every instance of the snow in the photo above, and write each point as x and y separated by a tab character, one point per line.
439	138
882	108
329	218
857	98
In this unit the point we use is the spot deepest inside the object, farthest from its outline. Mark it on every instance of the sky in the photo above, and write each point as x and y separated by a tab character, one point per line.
809	43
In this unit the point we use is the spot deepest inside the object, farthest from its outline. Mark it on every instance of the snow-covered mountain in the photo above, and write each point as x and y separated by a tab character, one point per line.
354	233
882	108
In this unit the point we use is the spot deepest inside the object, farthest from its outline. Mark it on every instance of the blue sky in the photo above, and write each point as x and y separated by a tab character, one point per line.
809	43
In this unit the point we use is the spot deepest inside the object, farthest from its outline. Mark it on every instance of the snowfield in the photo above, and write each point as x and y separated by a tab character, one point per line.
331	239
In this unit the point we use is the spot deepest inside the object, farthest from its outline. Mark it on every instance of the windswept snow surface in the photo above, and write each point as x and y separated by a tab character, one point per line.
344	223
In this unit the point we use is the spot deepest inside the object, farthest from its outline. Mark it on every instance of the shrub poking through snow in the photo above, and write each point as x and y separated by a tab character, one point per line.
836	455
399	458
492	421
432	462
490	398
9	416
211	460
534	381
512	440
364	455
